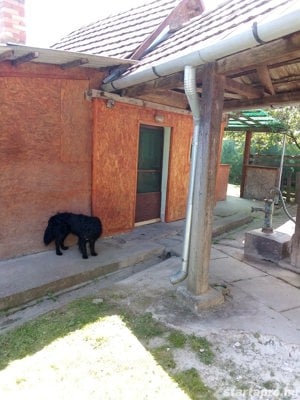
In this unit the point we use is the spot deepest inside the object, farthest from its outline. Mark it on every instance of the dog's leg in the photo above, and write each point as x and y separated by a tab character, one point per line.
92	247
57	244
82	247
63	246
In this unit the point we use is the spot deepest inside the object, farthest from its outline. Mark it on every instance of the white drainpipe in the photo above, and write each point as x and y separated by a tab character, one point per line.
193	99
197	55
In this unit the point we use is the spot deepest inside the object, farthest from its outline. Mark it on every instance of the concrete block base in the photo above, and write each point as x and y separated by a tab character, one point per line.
205	301
267	246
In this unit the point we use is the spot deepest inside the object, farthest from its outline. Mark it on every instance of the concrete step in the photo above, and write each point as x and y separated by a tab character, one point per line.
30	277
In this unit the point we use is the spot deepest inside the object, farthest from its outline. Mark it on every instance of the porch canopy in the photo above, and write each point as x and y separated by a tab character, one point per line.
245	54
253	121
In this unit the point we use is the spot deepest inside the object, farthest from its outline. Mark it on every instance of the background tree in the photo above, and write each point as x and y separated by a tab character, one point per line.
263	143
290	118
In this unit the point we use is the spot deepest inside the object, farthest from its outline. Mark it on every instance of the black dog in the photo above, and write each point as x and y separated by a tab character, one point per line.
87	229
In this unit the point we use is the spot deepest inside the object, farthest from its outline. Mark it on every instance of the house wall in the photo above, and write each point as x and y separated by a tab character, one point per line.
45	151
115	144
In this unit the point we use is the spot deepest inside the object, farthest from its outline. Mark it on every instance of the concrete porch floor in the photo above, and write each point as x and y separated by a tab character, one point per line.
260	296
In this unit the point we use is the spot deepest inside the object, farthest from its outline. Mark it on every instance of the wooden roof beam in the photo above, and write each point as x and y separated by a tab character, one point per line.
173	81
242	89
182	13
265	102
6	55
168	82
167	97
270	53
74	63
25	58
265	79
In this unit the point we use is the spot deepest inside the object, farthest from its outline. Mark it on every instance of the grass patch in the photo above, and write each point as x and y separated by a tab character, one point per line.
269	385
190	381
202	348
35	335
58	325
164	356
177	339
144	326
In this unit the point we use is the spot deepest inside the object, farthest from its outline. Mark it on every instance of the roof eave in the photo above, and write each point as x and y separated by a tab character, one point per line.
13	52
254	34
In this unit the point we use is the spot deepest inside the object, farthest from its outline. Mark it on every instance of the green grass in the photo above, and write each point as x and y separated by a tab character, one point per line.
35	335
144	326
177	339
202	347
189	381
269	385
164	356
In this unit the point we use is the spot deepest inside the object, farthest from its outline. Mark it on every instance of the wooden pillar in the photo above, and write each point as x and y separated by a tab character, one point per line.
246	159
295	251
205	179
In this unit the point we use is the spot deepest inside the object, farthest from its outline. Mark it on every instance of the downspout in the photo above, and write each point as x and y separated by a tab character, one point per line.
193	99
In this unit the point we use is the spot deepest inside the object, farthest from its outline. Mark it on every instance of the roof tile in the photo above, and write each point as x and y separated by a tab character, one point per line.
118	35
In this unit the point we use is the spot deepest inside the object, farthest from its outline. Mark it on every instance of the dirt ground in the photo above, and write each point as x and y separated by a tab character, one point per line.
247	365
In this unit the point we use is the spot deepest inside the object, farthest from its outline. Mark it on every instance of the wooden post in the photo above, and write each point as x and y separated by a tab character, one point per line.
295	251
205	179
246	159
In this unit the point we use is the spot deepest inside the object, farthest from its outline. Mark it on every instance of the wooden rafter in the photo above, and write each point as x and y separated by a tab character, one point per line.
242	89
277	100
185	10
168	82
25	58
269	53
253	78
6	55
265	79
167	97
75	63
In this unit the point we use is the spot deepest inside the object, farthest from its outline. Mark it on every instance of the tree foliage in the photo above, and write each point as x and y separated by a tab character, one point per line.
263	143
290	118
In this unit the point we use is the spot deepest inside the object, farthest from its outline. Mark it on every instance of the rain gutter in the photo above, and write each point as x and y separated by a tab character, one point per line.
256	33
193	99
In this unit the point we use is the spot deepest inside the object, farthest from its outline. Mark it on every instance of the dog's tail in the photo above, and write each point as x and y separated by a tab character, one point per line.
48	235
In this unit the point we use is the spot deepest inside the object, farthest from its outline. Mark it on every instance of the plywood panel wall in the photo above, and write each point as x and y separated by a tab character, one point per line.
45	156
116	134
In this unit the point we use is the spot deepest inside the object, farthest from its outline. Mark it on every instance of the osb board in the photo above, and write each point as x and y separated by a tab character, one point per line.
179	167
45	157
76	138
115	144
258	182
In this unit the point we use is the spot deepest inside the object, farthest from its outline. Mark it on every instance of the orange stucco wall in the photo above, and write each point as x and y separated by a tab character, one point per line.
115	144
45	151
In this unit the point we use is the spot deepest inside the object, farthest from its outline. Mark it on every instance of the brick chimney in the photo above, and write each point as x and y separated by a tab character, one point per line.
12	21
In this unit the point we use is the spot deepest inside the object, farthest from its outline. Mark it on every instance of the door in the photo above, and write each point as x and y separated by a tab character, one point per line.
148	199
